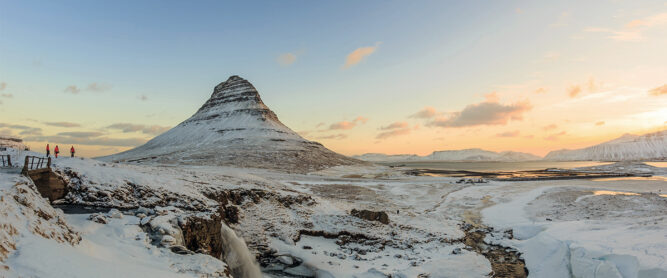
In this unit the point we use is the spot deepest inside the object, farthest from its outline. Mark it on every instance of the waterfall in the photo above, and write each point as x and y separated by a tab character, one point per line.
237	256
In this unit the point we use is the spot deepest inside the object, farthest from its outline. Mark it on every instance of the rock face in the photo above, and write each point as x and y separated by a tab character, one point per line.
379	216
235	128
652	146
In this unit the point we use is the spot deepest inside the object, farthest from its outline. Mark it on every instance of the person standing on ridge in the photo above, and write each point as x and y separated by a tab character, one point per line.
71	150
56	151
48	151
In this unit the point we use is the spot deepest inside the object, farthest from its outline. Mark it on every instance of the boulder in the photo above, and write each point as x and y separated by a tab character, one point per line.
379	216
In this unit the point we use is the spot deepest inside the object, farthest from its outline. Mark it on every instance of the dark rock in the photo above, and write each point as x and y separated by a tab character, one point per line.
379	216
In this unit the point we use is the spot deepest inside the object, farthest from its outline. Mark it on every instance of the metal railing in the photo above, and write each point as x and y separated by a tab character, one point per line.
36	163
5	160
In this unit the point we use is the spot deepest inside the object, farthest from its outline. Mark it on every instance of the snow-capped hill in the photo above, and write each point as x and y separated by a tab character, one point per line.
652	146
380	157
517	156
235	128
11	142
452	155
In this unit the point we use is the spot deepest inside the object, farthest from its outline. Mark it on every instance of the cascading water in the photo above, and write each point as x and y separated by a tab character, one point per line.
237	256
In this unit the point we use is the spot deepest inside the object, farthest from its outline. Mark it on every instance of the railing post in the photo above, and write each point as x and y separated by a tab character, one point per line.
9	160
25	165
48	163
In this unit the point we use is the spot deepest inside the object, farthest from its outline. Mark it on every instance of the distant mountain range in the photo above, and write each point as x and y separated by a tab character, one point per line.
452	155
651	146
647	147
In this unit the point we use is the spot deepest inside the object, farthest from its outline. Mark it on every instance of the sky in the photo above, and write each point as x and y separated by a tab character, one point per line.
358	76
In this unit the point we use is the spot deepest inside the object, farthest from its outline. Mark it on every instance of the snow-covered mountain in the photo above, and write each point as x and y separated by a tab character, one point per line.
11	142
652	146
234	127
380	157
452	155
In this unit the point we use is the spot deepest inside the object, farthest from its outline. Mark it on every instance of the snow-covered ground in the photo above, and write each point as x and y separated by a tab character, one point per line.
300	224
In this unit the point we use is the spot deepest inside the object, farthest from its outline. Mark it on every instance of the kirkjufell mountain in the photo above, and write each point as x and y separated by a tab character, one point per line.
234	128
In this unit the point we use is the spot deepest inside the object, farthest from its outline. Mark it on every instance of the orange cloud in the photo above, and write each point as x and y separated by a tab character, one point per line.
662	90
540	91
426	113
347	124
484	113
396	125
574	90
550	127
508	134
359	54
286	59
599	123
633	30
392	133
555	136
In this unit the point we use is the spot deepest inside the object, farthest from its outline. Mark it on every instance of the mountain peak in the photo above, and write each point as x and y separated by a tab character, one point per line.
235	128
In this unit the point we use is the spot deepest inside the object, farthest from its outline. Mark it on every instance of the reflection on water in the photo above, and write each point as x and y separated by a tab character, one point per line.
658	164
608	192
485	166
653	178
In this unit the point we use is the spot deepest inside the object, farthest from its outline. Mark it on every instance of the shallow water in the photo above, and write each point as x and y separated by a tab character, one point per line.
496	166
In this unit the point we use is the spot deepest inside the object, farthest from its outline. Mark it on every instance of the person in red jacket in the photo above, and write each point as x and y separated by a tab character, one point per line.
71	150
48	151
56	151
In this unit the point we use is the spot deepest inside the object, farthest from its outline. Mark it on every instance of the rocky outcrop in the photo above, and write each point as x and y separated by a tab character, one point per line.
235	128
23	211
379	216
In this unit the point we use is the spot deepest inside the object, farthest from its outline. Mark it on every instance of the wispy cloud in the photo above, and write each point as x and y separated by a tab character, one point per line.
7	95
662	90
574	90
359	54
348	124
3	85
393	133
98	141
426	113
599	123
72	89
98	87
395	129
591	86
286	59
143	97
484	113
62	124
395	125
146	129
555	136
550	127
540	90
338	136
81	134
514	133
633	30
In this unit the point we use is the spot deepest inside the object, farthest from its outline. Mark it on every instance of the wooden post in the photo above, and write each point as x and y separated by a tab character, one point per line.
9	160
25	165
48	163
